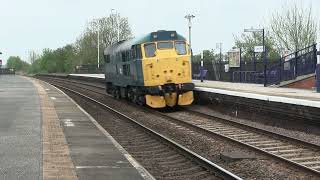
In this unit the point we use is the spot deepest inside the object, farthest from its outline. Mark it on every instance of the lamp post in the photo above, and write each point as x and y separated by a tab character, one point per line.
264	52
118	24
189	17
96	23
219	45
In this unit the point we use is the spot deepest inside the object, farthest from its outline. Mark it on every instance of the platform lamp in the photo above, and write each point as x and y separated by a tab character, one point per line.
118	23
264	52
189	17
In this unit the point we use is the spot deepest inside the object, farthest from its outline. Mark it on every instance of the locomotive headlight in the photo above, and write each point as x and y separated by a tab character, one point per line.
155	36
172	34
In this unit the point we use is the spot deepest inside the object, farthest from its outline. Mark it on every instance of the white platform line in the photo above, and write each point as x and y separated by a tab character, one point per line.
285	100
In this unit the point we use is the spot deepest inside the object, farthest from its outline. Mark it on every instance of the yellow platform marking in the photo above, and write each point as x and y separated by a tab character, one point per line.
57	163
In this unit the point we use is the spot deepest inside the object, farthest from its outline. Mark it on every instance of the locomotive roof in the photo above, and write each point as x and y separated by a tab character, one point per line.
150	37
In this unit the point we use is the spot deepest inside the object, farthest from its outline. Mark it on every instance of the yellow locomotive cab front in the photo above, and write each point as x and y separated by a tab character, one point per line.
166	64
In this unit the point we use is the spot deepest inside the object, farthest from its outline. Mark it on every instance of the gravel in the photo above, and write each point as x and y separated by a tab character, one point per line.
304	136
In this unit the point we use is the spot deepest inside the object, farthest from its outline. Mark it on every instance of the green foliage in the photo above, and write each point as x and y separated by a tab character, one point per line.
86	45
208	55
61	60
291	29
247	41
294	28
16	63
84	50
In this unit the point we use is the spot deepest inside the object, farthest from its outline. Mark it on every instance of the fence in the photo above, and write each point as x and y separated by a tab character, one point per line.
89	69
217	71
7	71
296	64
286	68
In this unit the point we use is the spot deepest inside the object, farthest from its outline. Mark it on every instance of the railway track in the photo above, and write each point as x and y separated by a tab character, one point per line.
180	162
299	153
296	152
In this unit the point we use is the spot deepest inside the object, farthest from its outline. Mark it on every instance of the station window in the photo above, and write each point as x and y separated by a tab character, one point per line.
150	49
165	45
181	48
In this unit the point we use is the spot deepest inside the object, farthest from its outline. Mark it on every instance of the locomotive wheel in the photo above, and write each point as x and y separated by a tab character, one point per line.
116	93
130	94
141	100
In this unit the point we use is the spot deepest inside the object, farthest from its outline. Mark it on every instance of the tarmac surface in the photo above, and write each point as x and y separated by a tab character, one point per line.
45	135
94	152
20	129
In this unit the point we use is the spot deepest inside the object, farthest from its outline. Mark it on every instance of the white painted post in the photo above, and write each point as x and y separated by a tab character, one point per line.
318	56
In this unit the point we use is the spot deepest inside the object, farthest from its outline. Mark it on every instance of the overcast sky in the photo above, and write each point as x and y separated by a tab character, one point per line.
36	24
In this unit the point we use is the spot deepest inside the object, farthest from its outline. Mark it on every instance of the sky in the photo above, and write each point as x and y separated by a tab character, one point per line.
33	25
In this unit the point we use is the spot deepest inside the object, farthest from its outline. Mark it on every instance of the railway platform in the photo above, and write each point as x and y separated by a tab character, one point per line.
259	92
45	135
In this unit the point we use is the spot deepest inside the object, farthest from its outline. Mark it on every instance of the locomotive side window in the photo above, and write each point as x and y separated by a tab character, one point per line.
181	48
138	52
126	69
107	58
150	49
123	55
165	45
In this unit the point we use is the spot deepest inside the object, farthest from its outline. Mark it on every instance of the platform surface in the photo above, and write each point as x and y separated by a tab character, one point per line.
258	91
45	135
20	129
94	153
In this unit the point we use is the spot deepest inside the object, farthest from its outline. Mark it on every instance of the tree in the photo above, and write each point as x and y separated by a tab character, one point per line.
247	41
16	63
84	50
294	28
86	45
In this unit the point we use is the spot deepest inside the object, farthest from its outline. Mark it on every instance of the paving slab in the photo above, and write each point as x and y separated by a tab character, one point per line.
94	153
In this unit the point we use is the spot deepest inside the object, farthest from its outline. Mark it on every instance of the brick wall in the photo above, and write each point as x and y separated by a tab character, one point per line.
307	83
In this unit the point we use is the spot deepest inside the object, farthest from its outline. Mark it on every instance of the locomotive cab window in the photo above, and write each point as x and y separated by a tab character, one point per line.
181	48
165	45
150	49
